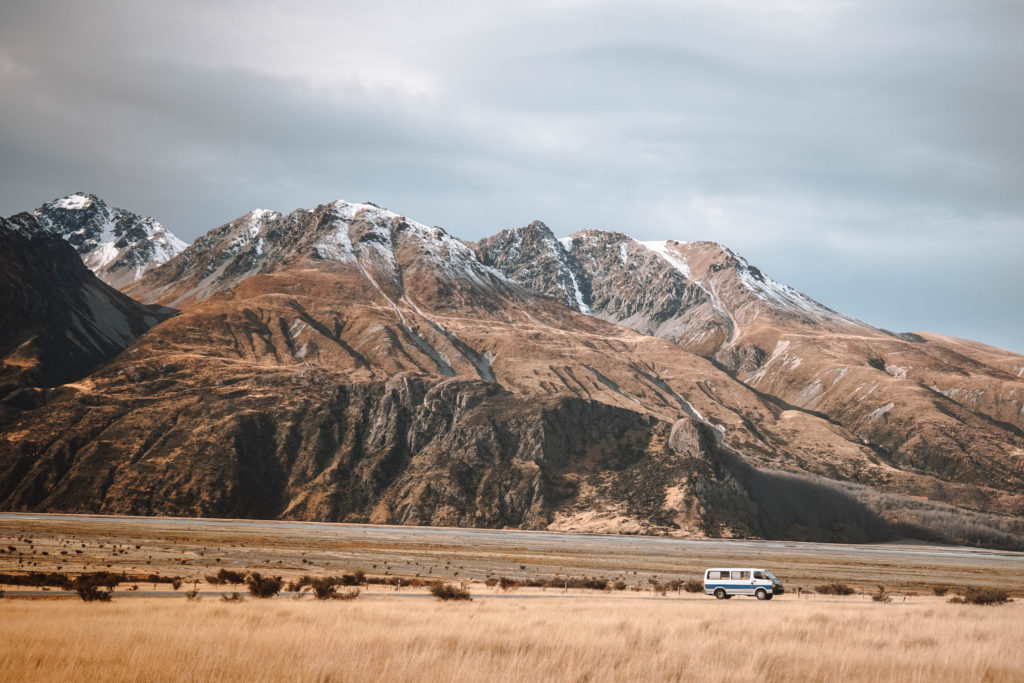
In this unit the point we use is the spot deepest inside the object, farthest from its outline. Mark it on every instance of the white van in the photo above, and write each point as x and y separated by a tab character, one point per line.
725	583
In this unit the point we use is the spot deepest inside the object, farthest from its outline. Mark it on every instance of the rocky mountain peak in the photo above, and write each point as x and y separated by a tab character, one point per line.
533	257
384	246
118	245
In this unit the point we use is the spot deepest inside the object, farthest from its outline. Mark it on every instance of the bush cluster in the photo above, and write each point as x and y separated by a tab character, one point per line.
834	589
263	586
225	577
693	586
97	586
37	579
447	591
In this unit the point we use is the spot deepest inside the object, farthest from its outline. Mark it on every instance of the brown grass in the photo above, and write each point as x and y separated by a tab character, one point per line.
600	638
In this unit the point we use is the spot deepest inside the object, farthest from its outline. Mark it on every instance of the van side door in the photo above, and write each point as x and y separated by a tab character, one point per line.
741	582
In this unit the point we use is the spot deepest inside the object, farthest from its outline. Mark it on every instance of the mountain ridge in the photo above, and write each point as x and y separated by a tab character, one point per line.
284	316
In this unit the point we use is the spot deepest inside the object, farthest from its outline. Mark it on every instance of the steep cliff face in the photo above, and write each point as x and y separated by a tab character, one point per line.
118	245
448	452
58	322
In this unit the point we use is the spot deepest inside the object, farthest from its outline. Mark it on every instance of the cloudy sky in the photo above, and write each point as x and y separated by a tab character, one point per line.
870	154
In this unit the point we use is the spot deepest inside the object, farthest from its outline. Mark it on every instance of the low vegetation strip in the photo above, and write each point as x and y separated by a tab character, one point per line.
598	639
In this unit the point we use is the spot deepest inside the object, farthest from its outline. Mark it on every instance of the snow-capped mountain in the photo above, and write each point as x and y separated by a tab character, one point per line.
699	294
118	245
335	235
346	363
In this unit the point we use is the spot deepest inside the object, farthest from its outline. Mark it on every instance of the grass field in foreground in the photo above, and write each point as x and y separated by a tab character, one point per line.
603	638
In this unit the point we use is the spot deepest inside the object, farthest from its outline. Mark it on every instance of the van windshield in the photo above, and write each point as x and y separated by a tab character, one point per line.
772	576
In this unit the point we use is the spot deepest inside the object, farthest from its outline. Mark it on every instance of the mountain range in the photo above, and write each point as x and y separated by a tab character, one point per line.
346	363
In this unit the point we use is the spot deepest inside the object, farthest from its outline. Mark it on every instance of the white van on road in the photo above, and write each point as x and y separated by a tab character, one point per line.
725	583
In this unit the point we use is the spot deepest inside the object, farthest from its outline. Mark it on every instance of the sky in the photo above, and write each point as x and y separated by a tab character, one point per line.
870	154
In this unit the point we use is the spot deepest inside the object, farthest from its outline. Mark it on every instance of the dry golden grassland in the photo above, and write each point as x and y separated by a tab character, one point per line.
606	637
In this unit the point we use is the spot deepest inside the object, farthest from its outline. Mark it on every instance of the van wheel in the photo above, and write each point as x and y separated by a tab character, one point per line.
769	597
761	594
720	593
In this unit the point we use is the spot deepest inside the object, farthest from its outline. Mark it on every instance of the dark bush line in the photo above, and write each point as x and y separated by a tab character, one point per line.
982	596
37	579
834	589
156	578
506	583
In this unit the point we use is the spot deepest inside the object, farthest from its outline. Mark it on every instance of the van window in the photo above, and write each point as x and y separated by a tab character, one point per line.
714	575
760	575
739	576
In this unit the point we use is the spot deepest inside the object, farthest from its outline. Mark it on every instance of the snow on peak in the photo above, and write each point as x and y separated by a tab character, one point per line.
73	202
117	245
566	243
660	247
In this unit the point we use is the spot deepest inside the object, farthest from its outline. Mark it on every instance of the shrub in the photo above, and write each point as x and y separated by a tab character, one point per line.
233	597
192	594
263	586
447	591
619	585
325	588
984	596
507	584
834	589
226	576
350	594
96	587
176	583
693	586
301	583
940	590
881	596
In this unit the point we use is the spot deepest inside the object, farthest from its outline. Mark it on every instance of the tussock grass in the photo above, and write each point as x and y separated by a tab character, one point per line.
603	638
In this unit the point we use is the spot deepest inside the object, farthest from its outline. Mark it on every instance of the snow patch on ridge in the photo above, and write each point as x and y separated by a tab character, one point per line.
880	412
73	202
660	247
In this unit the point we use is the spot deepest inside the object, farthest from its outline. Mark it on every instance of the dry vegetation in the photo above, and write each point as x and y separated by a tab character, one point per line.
544	607
609	637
